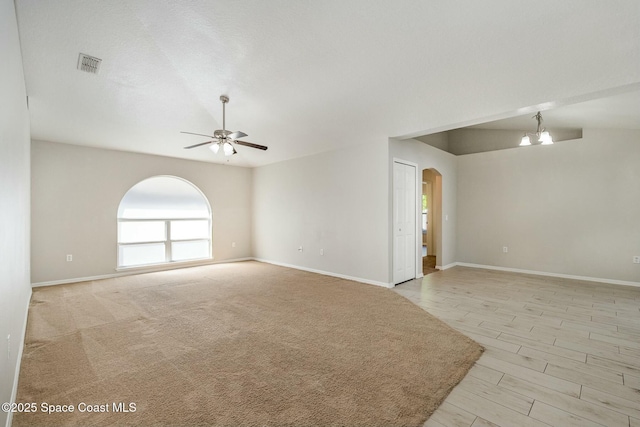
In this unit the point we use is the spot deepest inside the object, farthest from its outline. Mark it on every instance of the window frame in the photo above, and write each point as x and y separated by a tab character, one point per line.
167	232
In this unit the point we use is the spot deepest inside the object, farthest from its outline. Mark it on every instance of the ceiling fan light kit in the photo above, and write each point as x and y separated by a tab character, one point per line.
542	135
228	149
225	138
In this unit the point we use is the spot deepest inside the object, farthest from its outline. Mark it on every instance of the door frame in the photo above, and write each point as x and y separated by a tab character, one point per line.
417	255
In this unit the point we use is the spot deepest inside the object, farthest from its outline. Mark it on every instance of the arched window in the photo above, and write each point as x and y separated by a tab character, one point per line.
163	219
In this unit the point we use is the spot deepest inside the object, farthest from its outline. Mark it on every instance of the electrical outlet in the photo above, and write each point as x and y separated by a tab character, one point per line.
636	259
321	251
505	249
233	244
8	346
69	258
300	249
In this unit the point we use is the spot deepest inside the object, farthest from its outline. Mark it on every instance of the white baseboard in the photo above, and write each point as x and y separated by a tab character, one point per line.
140	270
544	273
129	272
14	389
327	273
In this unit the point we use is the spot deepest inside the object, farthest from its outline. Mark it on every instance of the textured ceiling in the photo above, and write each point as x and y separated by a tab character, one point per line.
306	76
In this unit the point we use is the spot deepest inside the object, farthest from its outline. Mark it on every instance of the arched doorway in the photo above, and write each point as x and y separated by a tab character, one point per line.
431	207
163	219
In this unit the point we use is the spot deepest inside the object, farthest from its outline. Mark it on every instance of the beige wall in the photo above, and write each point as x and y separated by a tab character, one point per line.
570	208
336	201
75	196
14	203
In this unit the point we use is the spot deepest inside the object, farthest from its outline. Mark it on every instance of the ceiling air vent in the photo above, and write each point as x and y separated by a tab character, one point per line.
88	63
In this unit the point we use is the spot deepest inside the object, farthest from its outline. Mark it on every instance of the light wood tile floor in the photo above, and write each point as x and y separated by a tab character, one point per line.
559	352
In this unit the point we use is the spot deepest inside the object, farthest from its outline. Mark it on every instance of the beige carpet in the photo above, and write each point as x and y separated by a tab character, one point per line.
244	344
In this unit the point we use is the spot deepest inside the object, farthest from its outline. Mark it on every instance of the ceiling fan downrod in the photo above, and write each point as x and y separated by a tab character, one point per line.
224	100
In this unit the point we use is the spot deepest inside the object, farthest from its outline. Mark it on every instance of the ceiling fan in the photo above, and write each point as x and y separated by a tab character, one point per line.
225	138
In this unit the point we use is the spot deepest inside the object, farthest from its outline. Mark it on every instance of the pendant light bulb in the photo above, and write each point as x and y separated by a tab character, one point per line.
228	149
545	138
525	141
215	147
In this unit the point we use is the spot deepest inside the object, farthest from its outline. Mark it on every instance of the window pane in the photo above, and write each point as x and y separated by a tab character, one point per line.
183	230
132	213
129	255
141	231
195	249
163	197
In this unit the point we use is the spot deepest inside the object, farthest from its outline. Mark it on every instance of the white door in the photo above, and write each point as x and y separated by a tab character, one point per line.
404	222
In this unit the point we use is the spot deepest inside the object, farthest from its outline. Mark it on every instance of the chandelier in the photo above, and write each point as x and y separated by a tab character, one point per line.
541	134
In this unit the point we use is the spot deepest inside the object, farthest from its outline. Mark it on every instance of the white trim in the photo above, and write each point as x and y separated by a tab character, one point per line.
406	162
327	273
544	273
164	267
446	267
14	390
145	268
133	270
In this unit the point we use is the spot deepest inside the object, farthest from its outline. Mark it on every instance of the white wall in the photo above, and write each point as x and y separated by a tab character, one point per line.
427	157
336	201
75	196
570	208
14	202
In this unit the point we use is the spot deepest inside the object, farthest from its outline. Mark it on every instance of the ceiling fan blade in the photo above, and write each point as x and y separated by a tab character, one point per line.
236	135
249	144
198	145
199	134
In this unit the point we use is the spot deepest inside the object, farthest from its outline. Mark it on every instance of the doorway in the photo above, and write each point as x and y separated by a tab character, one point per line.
431	218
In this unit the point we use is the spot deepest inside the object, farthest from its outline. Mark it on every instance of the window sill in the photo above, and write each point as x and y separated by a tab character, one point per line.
166	265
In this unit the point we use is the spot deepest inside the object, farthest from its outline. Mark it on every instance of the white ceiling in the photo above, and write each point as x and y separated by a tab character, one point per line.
309	76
